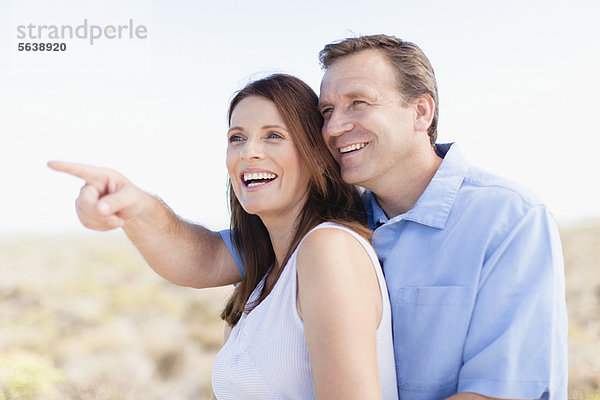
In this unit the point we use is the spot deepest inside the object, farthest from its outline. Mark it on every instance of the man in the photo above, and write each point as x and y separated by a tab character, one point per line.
473	264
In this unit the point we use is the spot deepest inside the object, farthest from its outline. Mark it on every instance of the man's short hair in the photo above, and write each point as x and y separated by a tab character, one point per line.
415	74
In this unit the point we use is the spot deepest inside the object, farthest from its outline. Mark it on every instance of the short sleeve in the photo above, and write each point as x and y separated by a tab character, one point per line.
226	236
516	346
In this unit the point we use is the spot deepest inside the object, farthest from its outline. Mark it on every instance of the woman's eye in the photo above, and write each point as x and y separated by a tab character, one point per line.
358	102
235	138
274	135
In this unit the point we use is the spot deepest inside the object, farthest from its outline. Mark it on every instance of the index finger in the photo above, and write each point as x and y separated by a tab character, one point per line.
83	171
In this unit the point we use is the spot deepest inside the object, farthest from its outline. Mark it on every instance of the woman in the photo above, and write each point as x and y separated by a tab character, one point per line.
311	318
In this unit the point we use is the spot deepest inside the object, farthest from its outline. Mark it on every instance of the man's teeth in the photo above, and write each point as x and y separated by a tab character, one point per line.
352	147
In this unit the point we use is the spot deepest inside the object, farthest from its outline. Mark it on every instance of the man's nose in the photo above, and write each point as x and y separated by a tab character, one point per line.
252	150
338	123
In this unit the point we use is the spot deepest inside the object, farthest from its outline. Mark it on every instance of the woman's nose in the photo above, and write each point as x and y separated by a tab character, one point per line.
252	150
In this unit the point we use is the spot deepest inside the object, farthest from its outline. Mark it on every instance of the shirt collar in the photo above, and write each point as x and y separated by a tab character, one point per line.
434	205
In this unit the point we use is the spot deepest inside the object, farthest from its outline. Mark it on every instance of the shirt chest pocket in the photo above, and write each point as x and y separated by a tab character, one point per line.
430	326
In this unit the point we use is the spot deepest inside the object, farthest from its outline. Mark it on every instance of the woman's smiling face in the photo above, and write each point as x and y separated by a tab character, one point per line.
266	171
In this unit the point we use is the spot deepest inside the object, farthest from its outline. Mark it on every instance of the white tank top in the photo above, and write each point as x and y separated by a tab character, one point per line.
266	356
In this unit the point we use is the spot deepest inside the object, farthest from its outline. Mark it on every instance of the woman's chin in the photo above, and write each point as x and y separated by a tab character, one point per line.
263	212
252	209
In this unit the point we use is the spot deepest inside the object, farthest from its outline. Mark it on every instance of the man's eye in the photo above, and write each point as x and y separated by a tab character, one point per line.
358	103
326	111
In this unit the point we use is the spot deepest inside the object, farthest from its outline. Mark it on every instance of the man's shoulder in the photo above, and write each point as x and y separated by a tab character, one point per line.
494	206
473	187
484	186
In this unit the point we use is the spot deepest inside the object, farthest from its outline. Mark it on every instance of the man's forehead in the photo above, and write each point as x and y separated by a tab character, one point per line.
353	86
363	71
346	87
342	74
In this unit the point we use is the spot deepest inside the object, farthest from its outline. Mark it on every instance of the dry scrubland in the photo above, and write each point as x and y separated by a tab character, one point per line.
85	318
581	249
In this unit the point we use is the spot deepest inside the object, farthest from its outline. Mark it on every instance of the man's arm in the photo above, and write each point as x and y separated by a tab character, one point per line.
517	340
181	252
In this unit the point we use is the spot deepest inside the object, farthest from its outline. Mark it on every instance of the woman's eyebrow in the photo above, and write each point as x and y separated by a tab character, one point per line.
274	126
235	128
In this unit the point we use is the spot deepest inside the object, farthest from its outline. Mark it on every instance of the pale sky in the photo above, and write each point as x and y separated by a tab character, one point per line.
518	85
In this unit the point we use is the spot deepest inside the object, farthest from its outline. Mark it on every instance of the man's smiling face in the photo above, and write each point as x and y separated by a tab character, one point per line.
368	128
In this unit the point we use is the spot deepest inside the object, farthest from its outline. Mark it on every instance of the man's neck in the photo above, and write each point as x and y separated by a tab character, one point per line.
404	187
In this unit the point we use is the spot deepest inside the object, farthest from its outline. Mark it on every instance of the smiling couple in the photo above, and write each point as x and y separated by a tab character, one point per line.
472	305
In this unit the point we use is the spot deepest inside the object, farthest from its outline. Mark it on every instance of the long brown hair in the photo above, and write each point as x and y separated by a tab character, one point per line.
328	199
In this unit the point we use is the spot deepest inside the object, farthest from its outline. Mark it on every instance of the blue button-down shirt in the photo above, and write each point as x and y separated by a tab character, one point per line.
476	283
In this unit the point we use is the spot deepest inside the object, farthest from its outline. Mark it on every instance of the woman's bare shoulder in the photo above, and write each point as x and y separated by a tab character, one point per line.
332	248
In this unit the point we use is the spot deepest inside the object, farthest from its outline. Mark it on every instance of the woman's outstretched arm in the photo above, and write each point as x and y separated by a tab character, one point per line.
181	252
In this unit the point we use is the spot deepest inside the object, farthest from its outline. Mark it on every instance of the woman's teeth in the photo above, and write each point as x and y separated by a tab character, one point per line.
258	178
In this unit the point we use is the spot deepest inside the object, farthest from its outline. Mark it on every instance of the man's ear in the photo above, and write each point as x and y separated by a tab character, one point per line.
424	107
